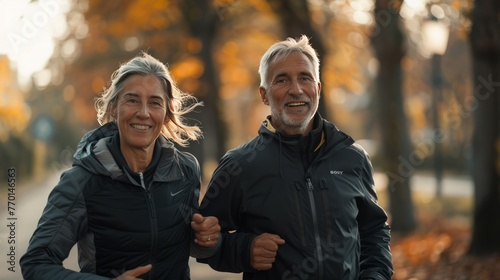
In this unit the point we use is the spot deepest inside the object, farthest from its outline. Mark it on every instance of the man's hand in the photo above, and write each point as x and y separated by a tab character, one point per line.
133	273
207	230
263	250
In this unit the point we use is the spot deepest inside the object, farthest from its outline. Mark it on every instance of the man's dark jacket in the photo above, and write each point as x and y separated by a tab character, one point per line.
315	192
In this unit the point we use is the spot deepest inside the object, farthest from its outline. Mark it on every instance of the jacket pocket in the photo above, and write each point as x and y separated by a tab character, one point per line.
323	186
298	211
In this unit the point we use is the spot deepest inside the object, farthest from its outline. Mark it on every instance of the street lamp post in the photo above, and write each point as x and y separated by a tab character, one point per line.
435	40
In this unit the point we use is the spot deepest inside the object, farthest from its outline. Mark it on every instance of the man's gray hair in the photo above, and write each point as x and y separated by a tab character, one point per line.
282	49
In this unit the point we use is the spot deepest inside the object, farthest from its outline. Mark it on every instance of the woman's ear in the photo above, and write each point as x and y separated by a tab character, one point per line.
113	114
170	111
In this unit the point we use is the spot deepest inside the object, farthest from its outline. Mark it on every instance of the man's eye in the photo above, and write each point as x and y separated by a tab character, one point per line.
306	79
131	101
280	81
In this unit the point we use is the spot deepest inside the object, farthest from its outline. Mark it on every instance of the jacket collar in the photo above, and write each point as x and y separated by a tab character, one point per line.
93	154
317	134
330	137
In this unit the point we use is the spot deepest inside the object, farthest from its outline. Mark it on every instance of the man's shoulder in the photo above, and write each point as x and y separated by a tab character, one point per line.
249	148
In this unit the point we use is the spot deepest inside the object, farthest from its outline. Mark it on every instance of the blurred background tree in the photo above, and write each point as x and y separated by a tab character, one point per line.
202	22
389	47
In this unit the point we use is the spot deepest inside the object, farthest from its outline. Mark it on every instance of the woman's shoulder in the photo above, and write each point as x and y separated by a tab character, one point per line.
188	160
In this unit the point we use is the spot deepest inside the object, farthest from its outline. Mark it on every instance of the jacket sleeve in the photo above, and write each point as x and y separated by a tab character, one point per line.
234	253
62	223
376	258
223	200
196	250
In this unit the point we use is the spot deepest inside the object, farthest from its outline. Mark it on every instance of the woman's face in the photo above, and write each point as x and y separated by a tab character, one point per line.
140	112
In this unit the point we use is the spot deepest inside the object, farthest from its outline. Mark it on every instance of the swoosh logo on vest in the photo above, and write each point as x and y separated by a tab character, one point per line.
176	193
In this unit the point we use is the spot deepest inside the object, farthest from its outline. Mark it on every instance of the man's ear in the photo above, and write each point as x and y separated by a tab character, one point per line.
319	90
263	95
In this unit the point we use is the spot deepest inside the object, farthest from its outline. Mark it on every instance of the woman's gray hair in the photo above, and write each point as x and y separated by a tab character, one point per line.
178	102
281	50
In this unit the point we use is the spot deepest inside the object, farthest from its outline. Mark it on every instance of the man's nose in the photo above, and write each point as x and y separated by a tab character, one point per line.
295	87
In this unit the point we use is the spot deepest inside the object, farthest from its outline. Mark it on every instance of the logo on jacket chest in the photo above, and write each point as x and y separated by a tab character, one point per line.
336	172
172	194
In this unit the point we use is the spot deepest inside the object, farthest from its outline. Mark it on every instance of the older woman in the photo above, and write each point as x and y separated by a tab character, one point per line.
129	200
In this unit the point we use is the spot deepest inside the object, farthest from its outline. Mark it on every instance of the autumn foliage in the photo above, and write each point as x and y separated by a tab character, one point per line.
438	251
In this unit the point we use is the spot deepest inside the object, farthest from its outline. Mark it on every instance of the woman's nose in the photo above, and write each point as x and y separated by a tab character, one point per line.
143	111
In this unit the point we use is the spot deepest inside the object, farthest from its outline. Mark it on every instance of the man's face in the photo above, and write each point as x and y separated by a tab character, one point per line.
293	94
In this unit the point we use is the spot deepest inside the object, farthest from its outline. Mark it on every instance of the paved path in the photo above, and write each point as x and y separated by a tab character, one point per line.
32	196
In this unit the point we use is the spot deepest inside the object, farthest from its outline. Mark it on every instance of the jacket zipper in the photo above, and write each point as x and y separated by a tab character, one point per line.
317	238
154	226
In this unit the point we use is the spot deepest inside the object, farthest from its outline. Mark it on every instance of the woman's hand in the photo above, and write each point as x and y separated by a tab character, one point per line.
207	230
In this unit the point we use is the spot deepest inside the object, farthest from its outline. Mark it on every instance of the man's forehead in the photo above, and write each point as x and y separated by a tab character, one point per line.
291	62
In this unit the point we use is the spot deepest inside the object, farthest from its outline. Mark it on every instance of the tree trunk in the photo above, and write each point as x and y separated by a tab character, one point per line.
202	21
485	43
388	41
296	21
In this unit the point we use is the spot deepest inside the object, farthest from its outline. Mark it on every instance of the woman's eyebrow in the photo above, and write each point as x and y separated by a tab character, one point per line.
130	94
161	96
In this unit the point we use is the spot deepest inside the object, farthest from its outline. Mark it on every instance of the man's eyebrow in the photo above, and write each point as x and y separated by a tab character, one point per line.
279	75
306	73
